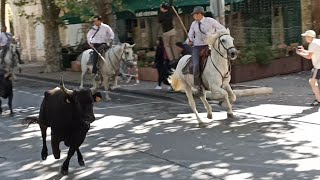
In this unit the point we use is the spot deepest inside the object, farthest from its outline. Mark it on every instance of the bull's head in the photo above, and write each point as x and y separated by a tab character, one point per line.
82	101
8	76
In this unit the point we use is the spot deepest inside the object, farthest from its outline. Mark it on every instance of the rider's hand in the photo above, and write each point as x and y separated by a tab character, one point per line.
110	42
91	45
190	43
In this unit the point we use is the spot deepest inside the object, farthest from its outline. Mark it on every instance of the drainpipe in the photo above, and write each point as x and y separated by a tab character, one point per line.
217	8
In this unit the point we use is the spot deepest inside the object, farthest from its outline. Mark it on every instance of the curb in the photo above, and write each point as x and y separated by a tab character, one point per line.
160	95
245	91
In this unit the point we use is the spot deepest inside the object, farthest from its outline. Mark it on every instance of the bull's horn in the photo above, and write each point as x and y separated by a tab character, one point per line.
63	88
7	74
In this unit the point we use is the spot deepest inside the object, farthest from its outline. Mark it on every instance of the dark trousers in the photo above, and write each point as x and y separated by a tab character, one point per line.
163	75
196	63
99	47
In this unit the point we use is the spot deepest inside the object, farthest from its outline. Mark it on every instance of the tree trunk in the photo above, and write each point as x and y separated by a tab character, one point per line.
51	35
3	13
104	9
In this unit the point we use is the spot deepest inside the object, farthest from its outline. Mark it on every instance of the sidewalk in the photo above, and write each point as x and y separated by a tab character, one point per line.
35	70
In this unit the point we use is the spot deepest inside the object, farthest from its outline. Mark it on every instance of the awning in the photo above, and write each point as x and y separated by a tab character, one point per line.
146	8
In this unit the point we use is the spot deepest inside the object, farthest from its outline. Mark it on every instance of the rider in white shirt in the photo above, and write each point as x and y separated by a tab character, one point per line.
4	42
99	36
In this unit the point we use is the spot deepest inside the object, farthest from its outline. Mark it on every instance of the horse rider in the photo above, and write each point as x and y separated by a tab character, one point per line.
5	39
99	37
197	33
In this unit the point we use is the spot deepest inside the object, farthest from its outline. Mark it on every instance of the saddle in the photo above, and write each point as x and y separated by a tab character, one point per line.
204	54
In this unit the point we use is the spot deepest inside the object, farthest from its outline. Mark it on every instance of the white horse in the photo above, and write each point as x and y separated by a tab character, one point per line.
215	76
11	59
109	68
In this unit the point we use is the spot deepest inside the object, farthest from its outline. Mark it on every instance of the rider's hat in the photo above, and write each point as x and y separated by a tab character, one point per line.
198	9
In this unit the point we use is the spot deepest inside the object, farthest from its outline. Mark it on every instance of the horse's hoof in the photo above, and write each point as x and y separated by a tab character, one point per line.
230	115
81	163
209	116
202	125
220	103
11	114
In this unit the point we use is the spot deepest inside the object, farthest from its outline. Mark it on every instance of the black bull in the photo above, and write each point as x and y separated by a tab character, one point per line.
69	114
6	89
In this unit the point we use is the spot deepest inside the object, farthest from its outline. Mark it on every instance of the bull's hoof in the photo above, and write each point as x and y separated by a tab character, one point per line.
202	125
81	163
64	171
209	116
230	115
44	154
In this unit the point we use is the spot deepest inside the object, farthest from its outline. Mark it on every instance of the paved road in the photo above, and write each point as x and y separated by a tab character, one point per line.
136	137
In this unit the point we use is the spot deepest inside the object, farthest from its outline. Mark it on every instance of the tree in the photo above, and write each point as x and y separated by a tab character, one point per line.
3	13
50	20
51	10
50	16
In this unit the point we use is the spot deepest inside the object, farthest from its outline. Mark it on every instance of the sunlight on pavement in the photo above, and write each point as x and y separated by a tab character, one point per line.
108	122
274	110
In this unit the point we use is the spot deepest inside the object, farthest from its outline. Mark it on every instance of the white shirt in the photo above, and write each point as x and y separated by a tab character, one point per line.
104	35
314	47
4	40
207	25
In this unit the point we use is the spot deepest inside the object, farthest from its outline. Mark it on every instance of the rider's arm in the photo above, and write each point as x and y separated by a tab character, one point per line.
216	25
109	32
89	35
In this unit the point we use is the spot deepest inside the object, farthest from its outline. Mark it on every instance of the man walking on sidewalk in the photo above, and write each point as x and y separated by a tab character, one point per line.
99	37
313	53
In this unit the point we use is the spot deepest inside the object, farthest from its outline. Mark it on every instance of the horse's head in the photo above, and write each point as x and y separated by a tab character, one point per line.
222	42
127	52
13	47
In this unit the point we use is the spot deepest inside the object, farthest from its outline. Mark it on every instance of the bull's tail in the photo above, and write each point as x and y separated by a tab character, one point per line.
175	82
30	120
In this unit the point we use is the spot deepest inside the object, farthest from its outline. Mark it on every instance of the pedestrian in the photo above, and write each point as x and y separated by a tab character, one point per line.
5	39
166	15
160	62
313	54
99	37
197	33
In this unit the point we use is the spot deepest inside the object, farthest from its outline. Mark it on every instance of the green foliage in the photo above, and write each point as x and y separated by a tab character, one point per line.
259	52
144	60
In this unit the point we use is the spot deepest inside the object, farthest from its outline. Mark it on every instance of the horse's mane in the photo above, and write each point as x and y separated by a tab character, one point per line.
213	35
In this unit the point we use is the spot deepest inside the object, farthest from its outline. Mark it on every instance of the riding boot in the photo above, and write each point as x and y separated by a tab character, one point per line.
197	86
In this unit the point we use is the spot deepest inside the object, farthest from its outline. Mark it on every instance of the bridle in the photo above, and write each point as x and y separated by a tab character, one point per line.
220	43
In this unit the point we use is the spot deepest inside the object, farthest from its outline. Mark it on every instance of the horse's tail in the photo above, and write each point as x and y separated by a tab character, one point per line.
175	82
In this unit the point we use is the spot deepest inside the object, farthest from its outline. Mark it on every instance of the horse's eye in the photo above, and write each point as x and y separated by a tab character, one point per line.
223	40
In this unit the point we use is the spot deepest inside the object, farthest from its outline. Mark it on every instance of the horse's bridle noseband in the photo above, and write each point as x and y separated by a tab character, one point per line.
220	43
